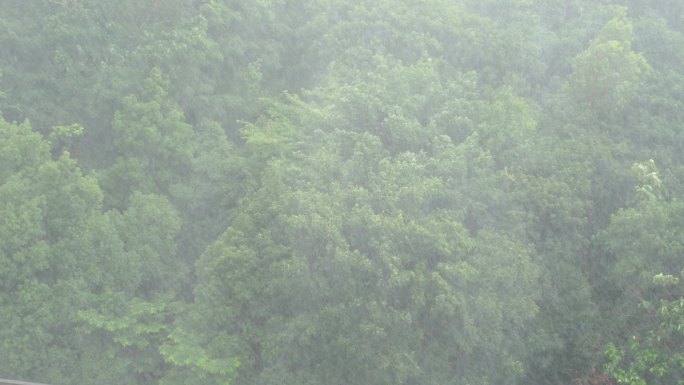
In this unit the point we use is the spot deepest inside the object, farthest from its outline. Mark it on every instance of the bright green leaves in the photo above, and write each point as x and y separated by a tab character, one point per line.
649	185
191	362
137	329
280	132
137	320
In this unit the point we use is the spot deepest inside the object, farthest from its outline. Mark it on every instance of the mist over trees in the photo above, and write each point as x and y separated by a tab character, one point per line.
342	192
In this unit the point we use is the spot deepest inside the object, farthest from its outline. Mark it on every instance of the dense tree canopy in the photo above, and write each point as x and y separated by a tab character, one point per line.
342	192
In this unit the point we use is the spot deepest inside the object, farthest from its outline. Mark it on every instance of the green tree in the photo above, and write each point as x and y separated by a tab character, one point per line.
153	144
58	251
656	353
607	76
349	265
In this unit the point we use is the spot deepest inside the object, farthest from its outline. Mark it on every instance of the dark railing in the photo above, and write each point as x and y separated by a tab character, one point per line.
13	382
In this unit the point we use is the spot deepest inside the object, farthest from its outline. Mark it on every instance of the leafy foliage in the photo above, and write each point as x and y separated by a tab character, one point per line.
368	192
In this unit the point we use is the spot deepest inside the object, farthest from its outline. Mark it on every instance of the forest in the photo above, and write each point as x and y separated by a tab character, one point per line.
338	192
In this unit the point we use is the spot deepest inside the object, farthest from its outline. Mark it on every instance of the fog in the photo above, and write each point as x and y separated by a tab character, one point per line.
340	192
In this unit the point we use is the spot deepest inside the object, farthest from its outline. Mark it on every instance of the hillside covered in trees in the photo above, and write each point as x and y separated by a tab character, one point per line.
337	192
